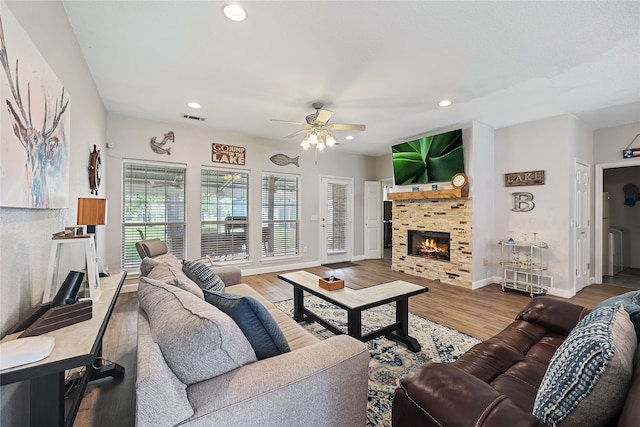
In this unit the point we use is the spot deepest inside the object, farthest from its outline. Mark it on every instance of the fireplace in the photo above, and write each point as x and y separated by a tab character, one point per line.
429	244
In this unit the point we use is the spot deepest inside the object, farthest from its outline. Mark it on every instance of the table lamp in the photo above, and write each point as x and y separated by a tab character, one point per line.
92	212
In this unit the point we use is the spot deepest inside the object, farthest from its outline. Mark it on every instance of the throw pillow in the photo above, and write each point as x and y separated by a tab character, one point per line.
631	304
197	340
148	264
254	320
587	379
173	275
203	275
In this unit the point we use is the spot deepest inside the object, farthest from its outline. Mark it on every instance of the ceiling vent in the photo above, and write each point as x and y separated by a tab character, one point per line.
187	116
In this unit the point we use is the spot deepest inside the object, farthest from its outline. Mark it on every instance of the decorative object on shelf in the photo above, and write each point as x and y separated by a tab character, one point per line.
517	179
331	283
284	160
629	152
459	180
35	145
69	233
158	147
231	154
95	170
317	129
522	202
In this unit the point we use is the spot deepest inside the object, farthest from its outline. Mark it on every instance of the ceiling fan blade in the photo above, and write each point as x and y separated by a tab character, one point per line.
305	130
324	116
288	121
344	126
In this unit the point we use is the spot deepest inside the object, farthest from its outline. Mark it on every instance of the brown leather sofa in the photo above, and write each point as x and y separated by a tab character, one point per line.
495	383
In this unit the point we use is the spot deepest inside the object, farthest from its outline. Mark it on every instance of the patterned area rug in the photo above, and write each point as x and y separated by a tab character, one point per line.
389	359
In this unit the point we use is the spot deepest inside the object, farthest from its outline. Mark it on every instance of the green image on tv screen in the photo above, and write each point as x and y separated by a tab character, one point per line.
434	158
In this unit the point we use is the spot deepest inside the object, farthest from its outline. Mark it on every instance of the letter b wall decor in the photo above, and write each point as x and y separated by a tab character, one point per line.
522	202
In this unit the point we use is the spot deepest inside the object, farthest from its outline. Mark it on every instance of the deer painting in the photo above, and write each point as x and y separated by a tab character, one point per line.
40	134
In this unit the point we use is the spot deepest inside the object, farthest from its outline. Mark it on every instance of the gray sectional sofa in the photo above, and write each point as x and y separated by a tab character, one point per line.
197	368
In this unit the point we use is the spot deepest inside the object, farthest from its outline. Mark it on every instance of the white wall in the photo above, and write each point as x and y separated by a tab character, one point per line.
540	145
480	155
25	234
192	147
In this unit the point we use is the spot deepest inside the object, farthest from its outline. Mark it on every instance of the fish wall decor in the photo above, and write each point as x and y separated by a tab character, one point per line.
284	160
158	147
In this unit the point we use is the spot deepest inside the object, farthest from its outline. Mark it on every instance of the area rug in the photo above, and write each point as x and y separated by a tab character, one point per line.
337	265
389	359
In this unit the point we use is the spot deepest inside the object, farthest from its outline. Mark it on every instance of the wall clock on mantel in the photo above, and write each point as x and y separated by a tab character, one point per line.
459	180
95	170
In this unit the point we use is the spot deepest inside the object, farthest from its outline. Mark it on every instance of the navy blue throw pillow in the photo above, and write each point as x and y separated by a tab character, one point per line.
257	324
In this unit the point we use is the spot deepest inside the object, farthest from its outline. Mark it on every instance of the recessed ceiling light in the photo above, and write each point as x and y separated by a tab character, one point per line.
235	12
444	103
193	105
349	137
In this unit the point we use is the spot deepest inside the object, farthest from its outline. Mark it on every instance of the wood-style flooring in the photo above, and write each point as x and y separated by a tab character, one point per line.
480	313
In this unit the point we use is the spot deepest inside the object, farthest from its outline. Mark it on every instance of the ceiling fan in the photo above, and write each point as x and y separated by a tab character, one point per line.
317	128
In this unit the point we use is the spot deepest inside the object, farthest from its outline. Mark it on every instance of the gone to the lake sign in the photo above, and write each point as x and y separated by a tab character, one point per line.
223	153
517	179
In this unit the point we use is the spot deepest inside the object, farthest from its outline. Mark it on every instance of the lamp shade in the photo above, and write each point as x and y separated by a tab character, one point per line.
92	211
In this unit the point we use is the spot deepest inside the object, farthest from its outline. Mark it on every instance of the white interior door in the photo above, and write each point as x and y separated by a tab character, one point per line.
581	228
372	220
336	221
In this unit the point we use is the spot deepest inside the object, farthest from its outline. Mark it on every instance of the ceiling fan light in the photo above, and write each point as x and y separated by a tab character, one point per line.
305	143
321	145
235	12
313	139
331	140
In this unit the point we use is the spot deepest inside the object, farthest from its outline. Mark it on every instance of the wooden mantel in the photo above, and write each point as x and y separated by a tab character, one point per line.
449	193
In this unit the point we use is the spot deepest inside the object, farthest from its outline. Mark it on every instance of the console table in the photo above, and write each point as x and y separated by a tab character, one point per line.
78	345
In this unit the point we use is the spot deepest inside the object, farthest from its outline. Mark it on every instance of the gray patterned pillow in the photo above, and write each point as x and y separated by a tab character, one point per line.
203	275
587	379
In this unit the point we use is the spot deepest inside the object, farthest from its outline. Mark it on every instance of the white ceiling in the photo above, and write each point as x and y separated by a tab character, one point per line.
385	64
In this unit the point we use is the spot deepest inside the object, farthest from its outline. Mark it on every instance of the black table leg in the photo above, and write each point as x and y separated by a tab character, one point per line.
47	400
354	323
298	304
402	332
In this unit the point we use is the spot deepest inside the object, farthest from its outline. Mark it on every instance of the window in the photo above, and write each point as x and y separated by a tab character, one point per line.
224	214
337	217
152	207
280	222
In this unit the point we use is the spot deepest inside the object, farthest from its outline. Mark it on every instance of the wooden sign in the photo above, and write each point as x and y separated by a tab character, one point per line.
517	179
223	153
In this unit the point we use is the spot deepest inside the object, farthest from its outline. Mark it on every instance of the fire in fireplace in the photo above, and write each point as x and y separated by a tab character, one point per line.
429	244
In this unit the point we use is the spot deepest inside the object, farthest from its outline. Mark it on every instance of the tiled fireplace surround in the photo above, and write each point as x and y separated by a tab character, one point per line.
447	215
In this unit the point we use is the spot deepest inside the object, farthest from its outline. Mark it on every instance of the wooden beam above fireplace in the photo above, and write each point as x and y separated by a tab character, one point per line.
449	193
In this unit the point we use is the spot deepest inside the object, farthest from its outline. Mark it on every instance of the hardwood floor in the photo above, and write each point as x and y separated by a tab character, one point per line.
480	313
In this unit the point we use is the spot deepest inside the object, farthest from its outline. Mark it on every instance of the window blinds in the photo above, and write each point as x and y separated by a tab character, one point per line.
280	221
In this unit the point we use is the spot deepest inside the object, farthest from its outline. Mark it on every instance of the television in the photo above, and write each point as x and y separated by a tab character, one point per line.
434	158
